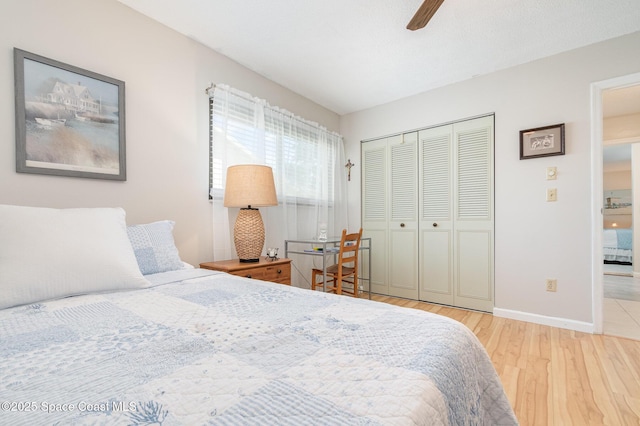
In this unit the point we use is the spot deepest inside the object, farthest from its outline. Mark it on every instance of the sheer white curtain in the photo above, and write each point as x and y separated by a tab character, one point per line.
308	169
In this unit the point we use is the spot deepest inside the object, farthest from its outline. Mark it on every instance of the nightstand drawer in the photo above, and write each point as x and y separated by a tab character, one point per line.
255	273
277	271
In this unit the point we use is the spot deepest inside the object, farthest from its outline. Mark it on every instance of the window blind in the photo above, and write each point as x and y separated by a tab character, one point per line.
246	130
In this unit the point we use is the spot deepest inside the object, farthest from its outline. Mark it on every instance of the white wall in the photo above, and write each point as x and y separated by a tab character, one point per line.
535	239
619	179
166	111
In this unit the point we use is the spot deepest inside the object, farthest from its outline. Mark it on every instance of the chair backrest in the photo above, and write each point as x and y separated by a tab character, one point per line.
349	248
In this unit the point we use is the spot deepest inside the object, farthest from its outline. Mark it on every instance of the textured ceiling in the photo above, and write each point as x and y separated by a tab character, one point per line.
349	55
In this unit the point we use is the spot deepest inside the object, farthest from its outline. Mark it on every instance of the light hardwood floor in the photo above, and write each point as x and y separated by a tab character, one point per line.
554	376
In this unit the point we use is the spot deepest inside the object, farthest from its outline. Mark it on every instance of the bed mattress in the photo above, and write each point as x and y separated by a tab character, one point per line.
618	245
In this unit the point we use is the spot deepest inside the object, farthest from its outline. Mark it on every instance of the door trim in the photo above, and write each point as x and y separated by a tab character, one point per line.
597	191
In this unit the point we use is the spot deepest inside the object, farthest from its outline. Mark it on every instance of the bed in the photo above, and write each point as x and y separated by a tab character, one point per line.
180	345
618	246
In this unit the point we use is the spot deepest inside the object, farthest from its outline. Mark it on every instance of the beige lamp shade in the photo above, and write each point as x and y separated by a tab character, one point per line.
249	186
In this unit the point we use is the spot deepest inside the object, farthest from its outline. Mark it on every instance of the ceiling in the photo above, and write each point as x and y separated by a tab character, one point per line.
350	55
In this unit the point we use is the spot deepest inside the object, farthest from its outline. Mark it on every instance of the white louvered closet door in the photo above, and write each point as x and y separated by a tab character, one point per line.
456	214
375	217
403	221
390	213
436	215
473	227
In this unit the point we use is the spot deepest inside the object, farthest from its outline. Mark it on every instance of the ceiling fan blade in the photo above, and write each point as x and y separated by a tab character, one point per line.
424	13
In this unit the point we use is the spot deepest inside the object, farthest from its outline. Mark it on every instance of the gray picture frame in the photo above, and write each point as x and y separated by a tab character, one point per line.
69	121
542	141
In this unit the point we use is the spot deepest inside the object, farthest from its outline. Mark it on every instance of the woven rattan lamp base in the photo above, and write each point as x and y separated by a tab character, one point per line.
248	235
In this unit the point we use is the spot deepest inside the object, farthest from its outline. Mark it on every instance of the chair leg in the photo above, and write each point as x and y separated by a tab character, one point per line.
330	284
334	285
355	285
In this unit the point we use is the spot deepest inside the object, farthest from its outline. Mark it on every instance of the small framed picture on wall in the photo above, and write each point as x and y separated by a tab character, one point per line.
542	141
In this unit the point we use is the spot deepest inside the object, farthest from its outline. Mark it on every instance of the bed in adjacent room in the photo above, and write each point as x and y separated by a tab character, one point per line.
180	345
618	246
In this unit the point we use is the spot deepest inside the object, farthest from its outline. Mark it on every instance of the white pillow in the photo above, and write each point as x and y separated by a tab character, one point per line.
154	247
51	253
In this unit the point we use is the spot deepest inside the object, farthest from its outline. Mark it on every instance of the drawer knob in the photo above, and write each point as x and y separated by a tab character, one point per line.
249	276
435	225
402	225
279	271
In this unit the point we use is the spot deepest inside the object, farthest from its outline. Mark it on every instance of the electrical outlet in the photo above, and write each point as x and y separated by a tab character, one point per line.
552	194
552	284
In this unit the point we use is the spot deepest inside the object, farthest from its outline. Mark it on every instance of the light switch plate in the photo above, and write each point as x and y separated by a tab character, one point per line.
552	194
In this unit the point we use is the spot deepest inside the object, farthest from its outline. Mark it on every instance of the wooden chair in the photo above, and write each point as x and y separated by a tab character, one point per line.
345	271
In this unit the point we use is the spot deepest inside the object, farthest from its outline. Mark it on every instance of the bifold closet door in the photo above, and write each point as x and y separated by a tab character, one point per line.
456	214
389	213
474	220
375	210
403	217
436	215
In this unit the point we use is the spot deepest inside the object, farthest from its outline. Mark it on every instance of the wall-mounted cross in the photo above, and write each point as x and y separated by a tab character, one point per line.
349	165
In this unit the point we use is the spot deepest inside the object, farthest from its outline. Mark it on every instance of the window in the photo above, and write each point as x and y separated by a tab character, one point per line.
246	130
307	162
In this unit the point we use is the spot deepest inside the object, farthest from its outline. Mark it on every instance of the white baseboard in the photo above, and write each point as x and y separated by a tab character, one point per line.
581	326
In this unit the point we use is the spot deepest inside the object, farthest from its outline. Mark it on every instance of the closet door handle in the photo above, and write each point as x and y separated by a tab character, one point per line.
435	225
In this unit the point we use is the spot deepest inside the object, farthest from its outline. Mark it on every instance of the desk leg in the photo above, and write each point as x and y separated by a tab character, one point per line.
369	282
324	272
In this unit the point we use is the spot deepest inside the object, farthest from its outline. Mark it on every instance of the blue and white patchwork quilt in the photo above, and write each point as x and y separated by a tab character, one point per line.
226	350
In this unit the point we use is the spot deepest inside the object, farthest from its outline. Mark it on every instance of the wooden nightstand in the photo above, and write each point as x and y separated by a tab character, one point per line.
277	271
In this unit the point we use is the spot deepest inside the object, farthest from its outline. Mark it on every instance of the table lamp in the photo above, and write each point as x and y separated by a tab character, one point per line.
249	186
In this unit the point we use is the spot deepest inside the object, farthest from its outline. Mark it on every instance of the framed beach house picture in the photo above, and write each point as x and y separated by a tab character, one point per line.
69	121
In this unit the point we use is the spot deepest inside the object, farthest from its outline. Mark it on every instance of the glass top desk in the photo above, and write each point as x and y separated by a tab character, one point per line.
328	249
